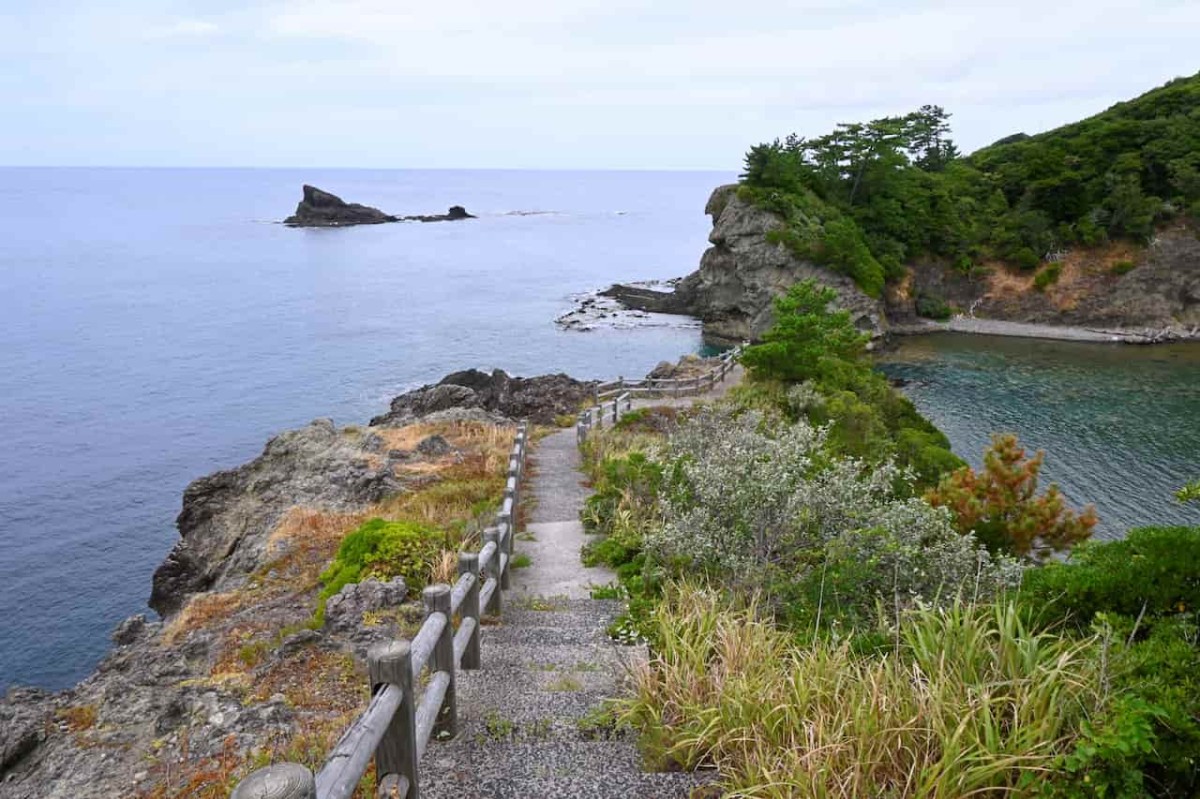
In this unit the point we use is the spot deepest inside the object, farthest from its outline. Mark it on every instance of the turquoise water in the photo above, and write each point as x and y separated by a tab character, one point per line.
1120	425
155	325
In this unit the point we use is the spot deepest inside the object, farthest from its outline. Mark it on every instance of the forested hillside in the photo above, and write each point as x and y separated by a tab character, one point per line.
869	197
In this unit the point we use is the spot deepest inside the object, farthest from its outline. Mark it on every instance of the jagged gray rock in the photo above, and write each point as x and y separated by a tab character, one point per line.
539	399
740	276
321	209
345	609
227	516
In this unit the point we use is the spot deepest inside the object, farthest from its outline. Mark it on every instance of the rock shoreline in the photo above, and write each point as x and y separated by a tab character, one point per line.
163	695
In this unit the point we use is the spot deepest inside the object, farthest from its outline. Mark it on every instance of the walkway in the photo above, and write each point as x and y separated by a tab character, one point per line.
523	718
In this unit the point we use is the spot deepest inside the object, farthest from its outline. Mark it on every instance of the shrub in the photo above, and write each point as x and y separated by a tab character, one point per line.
1153	572
775	510
1000	505
1047	276
384	550
1123	267
1025	258
932	307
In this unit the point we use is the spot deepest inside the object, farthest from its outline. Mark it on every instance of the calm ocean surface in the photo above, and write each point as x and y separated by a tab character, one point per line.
154	327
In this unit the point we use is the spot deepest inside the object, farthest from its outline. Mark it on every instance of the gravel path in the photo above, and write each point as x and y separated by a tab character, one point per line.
523	717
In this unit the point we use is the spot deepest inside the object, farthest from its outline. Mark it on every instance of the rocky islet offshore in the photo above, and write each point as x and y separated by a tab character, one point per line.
318	208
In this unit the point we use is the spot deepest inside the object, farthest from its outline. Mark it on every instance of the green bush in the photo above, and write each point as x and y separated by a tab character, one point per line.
384	550
1025	258
1123	267
1047	277
1153	572
932	306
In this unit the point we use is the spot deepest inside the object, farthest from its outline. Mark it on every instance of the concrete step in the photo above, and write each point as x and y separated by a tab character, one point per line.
547	769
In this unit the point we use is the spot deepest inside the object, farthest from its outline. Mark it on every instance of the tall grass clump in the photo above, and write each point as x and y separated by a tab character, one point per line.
970	702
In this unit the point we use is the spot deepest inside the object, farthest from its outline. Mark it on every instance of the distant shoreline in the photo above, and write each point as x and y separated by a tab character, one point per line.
997	327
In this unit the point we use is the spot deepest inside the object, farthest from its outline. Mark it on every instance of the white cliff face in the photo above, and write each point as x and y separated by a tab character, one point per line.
742	273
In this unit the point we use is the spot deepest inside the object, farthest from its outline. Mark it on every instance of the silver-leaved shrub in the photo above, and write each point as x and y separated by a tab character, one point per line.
763	504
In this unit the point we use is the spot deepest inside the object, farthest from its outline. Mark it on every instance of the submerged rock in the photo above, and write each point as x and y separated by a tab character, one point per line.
455	213
322	209
467	394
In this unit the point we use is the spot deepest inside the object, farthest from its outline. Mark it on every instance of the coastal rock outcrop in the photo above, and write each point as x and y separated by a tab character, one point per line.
742	273
322	209
226	516
539	399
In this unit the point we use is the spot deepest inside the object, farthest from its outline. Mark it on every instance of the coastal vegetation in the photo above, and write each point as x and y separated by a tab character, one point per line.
827	619
868	198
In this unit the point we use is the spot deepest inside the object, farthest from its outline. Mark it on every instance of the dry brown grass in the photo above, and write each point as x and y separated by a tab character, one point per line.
202	611
79	718
303	543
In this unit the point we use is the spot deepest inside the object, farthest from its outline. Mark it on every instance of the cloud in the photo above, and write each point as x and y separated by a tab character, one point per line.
182	28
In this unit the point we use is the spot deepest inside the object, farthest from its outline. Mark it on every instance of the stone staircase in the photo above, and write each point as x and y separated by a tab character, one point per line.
526	724
527	727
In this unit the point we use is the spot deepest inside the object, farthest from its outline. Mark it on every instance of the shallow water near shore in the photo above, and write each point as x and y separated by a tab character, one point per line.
1120	424
155	326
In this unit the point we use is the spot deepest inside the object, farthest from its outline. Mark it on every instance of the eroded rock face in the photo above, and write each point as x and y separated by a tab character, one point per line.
227	515
742	273
322	209
1161	292
468	393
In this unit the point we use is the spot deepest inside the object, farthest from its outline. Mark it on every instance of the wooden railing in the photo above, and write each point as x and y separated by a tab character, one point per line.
612	397
398	724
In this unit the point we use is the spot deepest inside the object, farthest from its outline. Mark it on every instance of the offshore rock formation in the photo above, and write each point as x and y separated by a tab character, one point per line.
539	399
742	273
321	209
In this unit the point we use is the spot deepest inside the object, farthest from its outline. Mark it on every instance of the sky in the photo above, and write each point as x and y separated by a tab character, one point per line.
551	84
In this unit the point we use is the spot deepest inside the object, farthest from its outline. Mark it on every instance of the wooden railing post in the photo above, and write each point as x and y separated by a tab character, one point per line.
280	781
391	662
495	606
468	563
437	600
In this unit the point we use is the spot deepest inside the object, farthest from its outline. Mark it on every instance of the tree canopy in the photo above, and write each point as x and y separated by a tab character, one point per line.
867	197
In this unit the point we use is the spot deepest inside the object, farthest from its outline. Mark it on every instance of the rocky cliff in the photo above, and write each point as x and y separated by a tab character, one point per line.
742	273
1151	292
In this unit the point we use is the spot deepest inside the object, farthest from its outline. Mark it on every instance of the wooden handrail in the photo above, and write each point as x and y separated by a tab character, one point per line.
611	396
395	729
